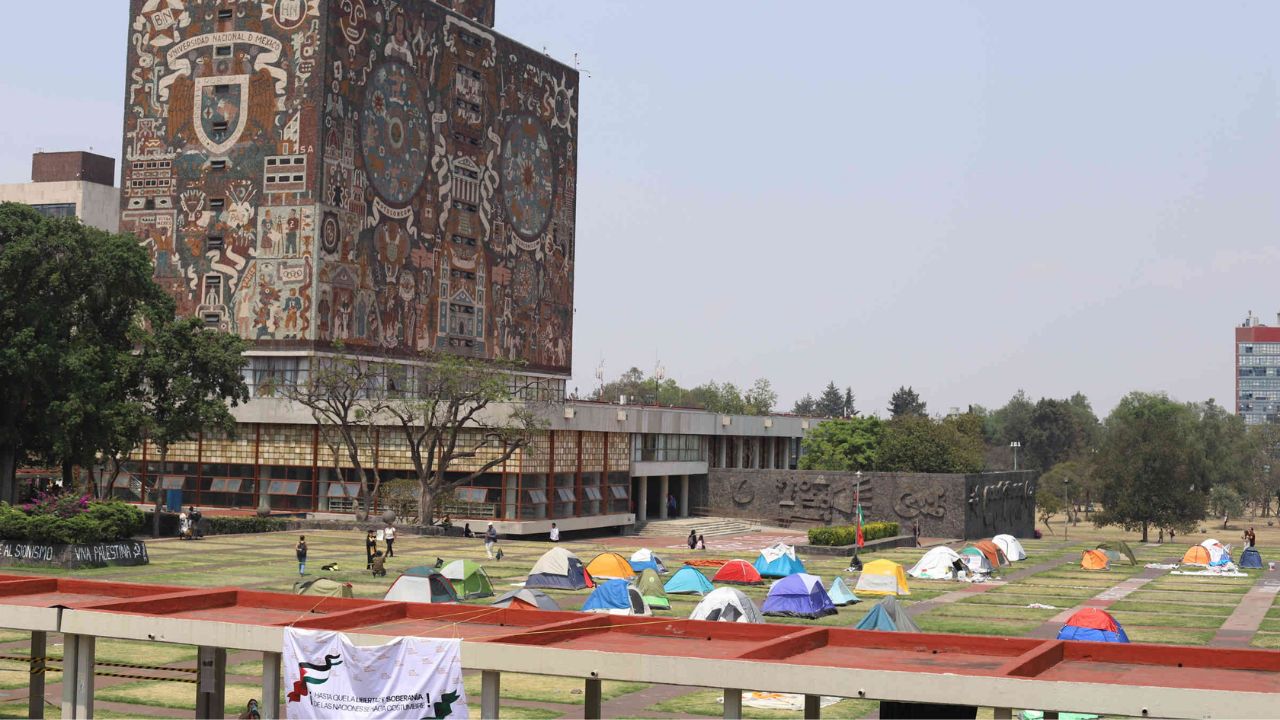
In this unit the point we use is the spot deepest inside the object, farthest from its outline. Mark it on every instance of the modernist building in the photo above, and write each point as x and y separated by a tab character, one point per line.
394	177
1258	371
71	184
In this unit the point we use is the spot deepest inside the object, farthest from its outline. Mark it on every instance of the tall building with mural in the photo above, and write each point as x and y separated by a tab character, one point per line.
388	177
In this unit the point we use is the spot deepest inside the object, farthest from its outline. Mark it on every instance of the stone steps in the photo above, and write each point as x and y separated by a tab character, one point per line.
710	527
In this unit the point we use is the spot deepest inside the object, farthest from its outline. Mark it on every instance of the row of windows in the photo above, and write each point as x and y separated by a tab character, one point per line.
1258	383
1260	348
1255	360
653	447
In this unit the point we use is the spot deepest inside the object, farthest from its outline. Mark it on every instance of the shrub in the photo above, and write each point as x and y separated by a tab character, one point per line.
848	534
67	519
241	525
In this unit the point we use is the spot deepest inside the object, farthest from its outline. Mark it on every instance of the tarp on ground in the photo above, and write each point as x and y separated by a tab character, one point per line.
882	577
840	593
650	587
738	572
800	595
727	605
688	580
433	588
778	560
1011	547
526	599
323	587
469	579
888	615
610	565
1251	558
646	558
1094	560
1093	625
616	597
559	569
1121	547
936	564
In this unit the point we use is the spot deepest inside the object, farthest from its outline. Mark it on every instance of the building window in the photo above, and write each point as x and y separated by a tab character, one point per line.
218	164
222	51
56	210
216	204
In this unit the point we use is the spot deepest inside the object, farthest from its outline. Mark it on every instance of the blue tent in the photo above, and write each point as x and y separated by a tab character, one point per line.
617	597
840	593
1093	625
645	558
888	615
778	561
1250	558
798	595
688	580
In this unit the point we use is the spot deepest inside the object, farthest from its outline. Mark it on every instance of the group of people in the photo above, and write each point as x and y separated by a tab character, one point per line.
1250	538
189	524
375	559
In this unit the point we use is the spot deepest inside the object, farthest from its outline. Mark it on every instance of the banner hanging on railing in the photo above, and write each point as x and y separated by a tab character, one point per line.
327	676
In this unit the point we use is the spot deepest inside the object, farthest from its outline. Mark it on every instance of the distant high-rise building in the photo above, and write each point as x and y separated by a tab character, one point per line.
1258	371
71	184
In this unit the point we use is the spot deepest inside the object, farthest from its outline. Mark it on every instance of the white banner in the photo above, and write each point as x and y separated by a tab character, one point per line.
326	676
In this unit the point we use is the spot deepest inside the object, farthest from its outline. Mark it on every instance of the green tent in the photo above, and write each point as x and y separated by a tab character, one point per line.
469	579
650	587
1121	547
323	586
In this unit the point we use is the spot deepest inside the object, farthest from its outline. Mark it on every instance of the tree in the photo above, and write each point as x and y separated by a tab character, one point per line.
1148	466
761	398
1073	481
831	402
1055	433
805	406
1225	501
1011	423
906	403
188	374
912	443
1223	450
460	412
842	444
849	409
1048	503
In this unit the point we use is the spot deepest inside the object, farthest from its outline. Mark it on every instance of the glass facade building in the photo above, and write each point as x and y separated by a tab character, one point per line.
1258	373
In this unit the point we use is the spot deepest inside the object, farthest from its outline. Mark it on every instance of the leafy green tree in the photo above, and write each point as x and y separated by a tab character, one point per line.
1011	423
1055	433
713	397
849	409
912	443
1049	502
842	445
1225	501
1224	448
831	402
1148	466
1073	481
905	402
805	406
761	398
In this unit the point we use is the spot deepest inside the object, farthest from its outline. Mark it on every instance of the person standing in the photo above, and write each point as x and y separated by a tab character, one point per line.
555	533
301	551
671	505
490	538
693	539
390	536
370	547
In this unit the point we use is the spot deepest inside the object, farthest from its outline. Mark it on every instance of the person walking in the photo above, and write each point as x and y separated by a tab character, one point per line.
301	551
370	547
693	539
555	533
390	536
490	539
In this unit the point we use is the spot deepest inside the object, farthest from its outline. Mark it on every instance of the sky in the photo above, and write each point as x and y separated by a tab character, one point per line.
967	198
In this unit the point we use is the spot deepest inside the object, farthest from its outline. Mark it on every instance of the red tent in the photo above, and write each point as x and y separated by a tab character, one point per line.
738	572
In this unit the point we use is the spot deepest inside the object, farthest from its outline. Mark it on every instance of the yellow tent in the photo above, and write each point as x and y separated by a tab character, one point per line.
882	577
610	565
1093	560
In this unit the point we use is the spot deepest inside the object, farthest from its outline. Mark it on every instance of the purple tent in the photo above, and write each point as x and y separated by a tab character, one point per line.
798	595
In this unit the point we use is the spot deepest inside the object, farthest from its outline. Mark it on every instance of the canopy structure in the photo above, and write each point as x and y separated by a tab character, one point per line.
882	577
422	584
738	572
1121	547
840	593
526	599
1094	560
936	564
777	561
688	580
1196	555
976	561
616	597
888	615
993	552
646	558
800	595
727	605
650	587
610	565
1250	558
1094	625
1219	554
323	587
468	578
558	569
1011	547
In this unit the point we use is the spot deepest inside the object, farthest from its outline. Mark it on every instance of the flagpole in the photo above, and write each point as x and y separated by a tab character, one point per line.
856	563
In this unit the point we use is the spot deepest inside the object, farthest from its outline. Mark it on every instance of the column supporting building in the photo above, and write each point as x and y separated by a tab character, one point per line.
684	496
642	501
664	491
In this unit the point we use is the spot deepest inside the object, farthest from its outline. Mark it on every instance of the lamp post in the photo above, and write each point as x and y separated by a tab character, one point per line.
1015	445
1066	492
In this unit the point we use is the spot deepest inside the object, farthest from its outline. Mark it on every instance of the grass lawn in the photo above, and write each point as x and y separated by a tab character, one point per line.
1175	620
1180	609
977	624
19	710
1169	636
177	695
252	668
1268	640
522	712
708	703
8	636
16	674
546	688
1003	612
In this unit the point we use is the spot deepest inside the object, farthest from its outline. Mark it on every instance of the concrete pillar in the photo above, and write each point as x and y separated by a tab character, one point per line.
812	707
490	692
84	676
269	706
35	695
211	682
664	489
722	451
684	496
739	444
770	459
1002	713
591	709
732	703
786	454
642	502
70	652
758	459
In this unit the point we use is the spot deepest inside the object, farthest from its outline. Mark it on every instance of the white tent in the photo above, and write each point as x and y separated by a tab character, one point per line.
1216	551
1011	547
935	565
976	561
646	558
727	605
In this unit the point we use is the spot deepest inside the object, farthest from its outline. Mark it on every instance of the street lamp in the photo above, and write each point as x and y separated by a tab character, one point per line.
1066	492
1015	445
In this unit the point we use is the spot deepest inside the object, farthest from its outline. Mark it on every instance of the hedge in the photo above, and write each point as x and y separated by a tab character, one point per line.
848	534
92	522
220	525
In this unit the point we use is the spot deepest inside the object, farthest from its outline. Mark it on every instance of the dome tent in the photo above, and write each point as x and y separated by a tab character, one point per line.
1094	560
738	572
1219	554
616	597
646	558
727	605
1250	558
888	615
610	565
559	569
422	584
994	554
840	593
468	578
650	587
777	561
936	564
1121	547
688	580
882	577
1196	555
526	599
800	595
323	586
976	561
1093	625
1011	547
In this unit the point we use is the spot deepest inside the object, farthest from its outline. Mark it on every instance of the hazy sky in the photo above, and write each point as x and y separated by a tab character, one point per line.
970	198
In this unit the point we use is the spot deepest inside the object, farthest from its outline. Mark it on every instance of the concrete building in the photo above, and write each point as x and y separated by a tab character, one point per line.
71	184
1258	371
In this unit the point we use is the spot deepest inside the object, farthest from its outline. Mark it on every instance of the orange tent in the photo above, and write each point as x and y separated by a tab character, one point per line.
1093	560
610	565
994	554
1196	555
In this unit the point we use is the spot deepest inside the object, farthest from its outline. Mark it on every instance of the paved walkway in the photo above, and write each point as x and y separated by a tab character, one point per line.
968	591
1050	628
1244	621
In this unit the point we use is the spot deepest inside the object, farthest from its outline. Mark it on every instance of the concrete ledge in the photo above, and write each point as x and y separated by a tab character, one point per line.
847	550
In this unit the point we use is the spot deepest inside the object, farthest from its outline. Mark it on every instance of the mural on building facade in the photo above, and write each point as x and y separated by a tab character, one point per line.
377	172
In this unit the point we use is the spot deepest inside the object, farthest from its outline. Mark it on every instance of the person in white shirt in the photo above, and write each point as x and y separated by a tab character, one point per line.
390	536
555	533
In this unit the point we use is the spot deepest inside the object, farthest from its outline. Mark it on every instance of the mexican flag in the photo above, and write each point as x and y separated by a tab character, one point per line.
859	540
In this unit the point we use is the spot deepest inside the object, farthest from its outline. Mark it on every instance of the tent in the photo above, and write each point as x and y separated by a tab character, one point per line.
616	597
976	560
888	615
610	565
560	569
882	577
778	560
468	578
738	572
1196	555
1121	547
727	605
1250	558
526	599
650	587
422	584
840	593
800	595
1093	625
1219	554
645	558
1011	547
1094	560
935	565
327	588
994	554
688	580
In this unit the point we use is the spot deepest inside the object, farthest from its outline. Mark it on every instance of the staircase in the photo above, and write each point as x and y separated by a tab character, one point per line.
708	526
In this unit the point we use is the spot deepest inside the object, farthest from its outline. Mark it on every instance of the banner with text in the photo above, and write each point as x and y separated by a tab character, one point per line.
327	676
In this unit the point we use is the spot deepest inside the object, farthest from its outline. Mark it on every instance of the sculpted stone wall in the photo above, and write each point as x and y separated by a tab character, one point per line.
945	505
